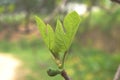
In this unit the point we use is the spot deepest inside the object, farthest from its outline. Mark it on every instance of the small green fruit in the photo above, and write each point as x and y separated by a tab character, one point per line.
53	72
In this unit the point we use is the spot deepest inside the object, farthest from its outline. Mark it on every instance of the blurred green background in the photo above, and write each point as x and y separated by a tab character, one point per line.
94	53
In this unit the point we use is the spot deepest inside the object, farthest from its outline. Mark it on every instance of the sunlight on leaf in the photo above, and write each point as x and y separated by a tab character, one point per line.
71	24
42	28
50	34
60	44
60	40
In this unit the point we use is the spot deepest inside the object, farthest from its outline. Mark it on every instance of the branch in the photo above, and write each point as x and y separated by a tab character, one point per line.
63	59
64	75
117	75
118	1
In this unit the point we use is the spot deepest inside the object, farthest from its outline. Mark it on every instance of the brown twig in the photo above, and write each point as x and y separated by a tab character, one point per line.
117	1
64	75
117	75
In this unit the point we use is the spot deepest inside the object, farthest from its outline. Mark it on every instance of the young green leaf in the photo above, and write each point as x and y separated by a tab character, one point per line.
63	39
46	32
71	24
50	37
60	40
60	44
42	28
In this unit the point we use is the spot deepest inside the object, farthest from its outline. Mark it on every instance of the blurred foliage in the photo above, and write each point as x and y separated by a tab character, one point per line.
11	21
91	18
82	63
111	19
92	64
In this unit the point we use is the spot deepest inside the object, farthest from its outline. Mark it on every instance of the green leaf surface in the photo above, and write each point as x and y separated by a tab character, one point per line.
60	40
50	37
71	24
46	32
42	28
60	44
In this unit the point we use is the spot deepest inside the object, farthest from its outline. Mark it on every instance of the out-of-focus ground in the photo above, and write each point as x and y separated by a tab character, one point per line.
8	67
